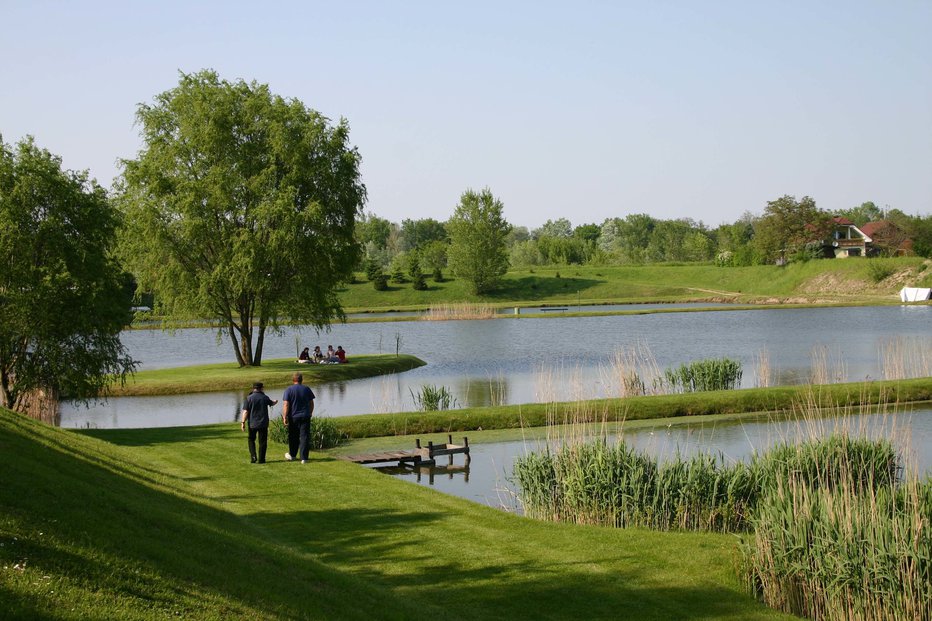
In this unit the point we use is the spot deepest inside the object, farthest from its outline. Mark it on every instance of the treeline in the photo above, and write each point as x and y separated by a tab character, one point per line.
788	230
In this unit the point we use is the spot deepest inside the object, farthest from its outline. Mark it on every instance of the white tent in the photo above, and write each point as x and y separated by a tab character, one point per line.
914	294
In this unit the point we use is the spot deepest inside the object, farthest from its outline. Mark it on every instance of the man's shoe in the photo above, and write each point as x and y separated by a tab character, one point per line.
252	460
303	461
287	456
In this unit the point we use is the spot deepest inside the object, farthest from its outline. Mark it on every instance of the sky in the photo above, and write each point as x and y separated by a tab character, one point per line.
585	110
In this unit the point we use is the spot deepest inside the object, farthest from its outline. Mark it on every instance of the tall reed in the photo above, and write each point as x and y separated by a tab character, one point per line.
433	398
764	374
464	310
902	357
704	375
596	482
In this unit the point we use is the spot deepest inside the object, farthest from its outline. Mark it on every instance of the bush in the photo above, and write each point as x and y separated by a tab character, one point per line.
703	375
380	282
373	269
879	270
433	398
419	283
438	275
324	433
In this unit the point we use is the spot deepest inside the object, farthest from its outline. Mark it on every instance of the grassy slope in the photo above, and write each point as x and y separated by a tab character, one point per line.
228	376
174	522
840	280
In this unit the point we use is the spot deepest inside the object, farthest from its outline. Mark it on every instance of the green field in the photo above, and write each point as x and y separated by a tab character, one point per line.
842	280
175	523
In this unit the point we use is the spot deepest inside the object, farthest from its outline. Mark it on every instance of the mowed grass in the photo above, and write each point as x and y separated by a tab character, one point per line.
148	524
273	373
841	281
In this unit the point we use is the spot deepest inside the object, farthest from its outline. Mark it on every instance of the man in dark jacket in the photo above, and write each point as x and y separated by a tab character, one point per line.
256	411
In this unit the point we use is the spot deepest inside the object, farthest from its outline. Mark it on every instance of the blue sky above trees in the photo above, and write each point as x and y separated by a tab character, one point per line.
584	111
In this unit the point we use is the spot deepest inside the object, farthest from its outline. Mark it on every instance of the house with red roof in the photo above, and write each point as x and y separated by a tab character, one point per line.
850	240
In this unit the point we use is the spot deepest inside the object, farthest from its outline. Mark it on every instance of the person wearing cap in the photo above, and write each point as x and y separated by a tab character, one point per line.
256	411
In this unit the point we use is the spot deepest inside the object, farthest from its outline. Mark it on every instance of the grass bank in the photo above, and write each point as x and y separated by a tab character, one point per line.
826	281
273	373
173	522
775	399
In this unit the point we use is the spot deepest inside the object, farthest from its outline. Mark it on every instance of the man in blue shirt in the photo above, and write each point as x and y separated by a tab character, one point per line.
297	409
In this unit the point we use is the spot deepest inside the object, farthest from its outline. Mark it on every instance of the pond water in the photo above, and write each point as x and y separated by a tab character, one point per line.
558	309
488	478
528	360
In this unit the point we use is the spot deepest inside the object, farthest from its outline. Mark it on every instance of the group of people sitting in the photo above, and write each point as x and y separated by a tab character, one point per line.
332	356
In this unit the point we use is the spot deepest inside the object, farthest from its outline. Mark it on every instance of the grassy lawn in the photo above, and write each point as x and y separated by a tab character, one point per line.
173	522
273	373
827	281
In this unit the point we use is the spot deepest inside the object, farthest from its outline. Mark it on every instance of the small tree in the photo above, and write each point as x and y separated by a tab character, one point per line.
478	232
62	299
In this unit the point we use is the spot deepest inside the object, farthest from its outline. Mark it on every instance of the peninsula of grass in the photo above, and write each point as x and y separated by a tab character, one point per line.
160	523
749	400
273	373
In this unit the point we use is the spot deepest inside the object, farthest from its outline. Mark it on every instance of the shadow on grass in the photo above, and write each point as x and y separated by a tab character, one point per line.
162	435
538	287
110	539
477	586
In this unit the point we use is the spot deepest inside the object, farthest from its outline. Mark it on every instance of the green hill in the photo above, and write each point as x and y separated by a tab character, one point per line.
158	523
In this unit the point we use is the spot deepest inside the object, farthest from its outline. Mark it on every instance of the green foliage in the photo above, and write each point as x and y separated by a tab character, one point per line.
419	283
478	231
241	207
788	225
62	299
437	275
878	269
705	375
433	398
324	433
373	269
417	234
380	282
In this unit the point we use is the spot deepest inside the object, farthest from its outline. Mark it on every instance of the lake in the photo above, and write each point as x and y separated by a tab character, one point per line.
522	360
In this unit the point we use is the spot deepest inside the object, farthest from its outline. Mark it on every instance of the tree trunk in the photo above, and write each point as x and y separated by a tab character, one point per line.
7	396
231	329
260	341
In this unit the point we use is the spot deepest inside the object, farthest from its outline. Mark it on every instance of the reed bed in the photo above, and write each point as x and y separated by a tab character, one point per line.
844	552
595	482
826	367
432	398
704	375
632	372
465	310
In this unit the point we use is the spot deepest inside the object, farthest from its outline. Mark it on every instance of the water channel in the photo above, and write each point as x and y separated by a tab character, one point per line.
521	360
487	480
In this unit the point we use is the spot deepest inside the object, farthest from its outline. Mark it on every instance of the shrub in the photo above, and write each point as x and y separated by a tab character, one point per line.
380	282
879	270
433	398
324	433
373	269
419	283
703	375
438	275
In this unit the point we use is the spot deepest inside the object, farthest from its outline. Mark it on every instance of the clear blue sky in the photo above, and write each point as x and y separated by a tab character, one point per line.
582	110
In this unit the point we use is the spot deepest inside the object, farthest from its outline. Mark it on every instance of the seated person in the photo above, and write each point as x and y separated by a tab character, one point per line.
318	356
331	355
341	354
305	356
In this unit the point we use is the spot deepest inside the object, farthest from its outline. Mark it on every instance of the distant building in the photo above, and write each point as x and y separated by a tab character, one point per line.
874	238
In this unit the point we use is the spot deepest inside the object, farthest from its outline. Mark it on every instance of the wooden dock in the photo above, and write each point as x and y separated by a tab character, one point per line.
419	456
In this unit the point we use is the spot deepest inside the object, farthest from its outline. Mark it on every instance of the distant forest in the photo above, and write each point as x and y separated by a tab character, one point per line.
789	230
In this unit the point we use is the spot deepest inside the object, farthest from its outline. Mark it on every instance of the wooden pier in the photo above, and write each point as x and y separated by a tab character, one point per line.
420	456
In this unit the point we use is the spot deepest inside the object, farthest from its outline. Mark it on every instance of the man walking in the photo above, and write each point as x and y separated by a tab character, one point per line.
256	411
297	409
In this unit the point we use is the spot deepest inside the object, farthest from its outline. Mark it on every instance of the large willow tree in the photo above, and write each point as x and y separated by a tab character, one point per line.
240	208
